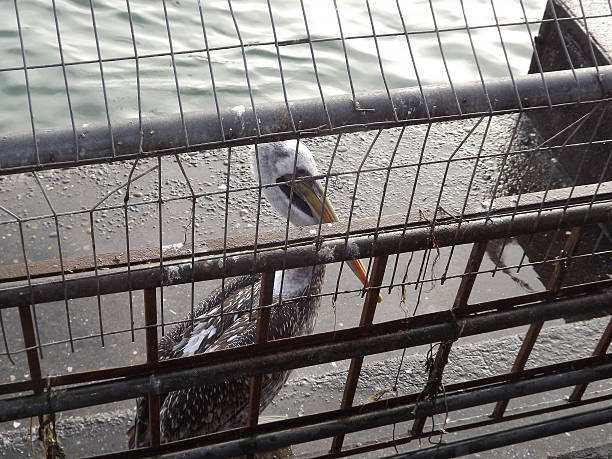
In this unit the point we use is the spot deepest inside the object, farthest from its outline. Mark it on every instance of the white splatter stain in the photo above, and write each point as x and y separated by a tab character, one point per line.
352	250
238	110
173	272
327	253
178	245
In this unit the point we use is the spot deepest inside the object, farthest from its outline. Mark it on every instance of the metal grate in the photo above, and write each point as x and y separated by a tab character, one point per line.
477	189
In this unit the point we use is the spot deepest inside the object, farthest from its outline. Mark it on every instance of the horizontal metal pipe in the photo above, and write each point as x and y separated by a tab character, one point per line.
283	356
429	319
512	436
275	257
385	416
293	423
237	126
390	442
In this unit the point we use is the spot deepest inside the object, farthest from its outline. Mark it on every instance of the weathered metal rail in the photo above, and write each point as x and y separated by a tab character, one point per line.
398	107
303	351
181	364
516	435
396	237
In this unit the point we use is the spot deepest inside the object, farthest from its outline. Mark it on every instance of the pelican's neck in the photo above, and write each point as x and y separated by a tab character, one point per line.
298	281
295	318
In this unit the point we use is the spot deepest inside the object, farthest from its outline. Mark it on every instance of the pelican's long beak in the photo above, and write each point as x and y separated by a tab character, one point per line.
312	192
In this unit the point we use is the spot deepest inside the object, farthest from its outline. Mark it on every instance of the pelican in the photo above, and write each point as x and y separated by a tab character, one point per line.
210	408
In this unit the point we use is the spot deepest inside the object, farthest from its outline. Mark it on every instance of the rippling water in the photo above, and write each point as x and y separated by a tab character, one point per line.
158	75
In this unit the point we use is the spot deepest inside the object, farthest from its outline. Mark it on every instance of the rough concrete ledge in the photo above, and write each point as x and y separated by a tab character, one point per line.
588	453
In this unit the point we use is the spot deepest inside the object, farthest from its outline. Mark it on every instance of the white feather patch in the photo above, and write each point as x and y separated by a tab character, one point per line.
193	344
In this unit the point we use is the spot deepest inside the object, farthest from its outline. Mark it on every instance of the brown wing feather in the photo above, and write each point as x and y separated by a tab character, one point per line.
170	344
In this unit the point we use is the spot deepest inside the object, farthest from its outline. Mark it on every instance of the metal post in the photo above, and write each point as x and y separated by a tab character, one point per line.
29	340
600	349
367	317
150	307
553	286
461	299
263	321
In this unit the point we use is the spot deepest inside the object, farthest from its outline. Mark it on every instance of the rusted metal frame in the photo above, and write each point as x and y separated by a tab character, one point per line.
126	371
553	286
515	435
274	356
150	310
214	248
29	340
367	318
177	364
385	415
138	257
600	349
182	363
297	422
271	239
263	321
307	254
461	299
401	440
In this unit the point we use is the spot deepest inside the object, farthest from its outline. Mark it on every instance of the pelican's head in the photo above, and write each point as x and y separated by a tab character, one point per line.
291	167
286	164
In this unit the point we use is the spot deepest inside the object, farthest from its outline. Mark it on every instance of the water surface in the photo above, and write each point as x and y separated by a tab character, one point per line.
408	49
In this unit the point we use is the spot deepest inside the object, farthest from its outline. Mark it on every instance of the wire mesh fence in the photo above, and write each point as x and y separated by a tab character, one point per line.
465	147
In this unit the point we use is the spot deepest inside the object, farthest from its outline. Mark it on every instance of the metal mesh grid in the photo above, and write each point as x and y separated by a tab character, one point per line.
421	162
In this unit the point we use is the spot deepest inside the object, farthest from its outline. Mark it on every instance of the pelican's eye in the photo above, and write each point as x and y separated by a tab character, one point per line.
296	200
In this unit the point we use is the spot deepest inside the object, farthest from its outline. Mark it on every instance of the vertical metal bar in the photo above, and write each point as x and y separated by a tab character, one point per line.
443	56
150	307
102	78
351	213
380	63
263	321
367	317
600	349
536	64
461	299
29	339
553	286
503	45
